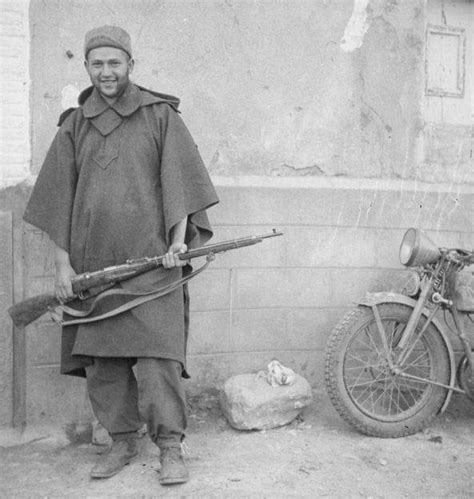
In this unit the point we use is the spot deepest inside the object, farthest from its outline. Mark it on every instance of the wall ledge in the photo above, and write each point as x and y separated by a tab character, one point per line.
261	181
312	183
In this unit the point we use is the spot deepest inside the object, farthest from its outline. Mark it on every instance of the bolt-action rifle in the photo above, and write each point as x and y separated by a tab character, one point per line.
91	284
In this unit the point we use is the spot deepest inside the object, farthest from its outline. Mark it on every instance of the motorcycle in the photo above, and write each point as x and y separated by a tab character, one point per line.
390	363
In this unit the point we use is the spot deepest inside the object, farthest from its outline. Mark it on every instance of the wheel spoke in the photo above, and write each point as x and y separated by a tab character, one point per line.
396	407
390	399
381	394
372	342
370	382
414	362
366	390
404	399
360	359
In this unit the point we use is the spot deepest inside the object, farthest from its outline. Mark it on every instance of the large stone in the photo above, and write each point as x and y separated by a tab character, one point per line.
249	402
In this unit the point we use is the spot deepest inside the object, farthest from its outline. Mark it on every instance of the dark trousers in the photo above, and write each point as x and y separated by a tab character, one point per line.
122	401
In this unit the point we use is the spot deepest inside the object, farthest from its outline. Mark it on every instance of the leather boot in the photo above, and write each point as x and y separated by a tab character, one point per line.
173	468
120	453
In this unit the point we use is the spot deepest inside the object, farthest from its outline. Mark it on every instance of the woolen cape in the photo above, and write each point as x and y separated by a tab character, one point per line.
115	180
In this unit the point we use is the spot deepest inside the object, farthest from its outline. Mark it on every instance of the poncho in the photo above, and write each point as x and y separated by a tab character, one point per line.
115	180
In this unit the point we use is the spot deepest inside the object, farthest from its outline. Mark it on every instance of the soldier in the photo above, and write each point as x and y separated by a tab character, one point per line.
123	179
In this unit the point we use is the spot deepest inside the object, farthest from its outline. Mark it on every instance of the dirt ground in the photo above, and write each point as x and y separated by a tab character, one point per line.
317	455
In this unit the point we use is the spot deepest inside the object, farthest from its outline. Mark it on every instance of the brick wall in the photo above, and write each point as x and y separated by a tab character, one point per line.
14	92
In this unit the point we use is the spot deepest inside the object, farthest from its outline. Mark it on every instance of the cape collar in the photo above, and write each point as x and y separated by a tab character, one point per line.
94	105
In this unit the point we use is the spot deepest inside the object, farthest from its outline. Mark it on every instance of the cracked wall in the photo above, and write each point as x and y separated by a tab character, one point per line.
333	88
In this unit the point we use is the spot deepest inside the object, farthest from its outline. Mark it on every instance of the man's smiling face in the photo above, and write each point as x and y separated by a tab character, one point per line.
109	69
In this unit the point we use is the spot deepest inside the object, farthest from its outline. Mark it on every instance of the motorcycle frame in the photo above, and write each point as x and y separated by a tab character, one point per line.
373	300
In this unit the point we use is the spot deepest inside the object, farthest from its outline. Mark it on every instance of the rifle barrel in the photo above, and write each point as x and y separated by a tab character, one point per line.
226	245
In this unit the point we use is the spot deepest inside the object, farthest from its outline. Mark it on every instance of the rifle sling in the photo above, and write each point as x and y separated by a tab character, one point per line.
141	298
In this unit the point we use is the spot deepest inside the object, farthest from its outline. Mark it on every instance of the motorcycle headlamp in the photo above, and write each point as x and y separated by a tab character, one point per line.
417	249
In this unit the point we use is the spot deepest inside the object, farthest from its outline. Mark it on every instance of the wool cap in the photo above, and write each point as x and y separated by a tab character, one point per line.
107	36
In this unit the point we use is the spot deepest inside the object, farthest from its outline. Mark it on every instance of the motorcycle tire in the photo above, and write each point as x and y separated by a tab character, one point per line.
362	388
465	378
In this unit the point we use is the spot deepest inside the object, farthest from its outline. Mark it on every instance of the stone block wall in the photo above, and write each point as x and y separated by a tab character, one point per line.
278	299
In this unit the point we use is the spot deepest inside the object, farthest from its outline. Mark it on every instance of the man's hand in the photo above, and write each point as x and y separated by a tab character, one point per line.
171	258
64	273
178	246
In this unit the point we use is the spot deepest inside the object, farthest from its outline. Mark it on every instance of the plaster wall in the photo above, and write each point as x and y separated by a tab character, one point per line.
448	117
285	88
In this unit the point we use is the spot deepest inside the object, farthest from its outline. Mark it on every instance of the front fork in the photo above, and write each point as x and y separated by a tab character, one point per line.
408	333
410	337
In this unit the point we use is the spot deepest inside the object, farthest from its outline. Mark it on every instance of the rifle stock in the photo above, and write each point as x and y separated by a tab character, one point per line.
92	283
29	310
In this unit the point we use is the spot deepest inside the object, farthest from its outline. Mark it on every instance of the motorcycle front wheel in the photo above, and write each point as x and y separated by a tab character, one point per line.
368	394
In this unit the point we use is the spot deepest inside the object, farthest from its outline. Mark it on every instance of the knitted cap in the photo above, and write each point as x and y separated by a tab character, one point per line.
107	36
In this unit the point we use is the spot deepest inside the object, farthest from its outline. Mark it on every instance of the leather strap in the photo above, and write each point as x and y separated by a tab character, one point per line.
141	298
